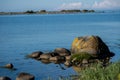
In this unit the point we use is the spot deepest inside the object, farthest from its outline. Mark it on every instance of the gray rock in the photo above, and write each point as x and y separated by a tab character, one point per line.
25	76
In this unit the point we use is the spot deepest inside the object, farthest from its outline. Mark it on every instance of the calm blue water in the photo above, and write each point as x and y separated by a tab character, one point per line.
23	34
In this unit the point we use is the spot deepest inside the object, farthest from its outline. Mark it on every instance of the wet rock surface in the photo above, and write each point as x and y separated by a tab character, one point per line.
58	55
25	76
86	50
62	51
35	54
9	66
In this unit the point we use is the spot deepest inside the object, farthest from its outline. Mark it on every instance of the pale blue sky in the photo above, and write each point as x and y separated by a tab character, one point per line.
23	5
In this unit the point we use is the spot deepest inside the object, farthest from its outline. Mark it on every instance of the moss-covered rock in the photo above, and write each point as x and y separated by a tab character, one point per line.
80	58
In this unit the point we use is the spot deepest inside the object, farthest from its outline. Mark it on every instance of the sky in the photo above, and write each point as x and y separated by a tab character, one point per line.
54	5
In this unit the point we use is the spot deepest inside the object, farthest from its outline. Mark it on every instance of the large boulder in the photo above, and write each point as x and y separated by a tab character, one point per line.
92	45
62	51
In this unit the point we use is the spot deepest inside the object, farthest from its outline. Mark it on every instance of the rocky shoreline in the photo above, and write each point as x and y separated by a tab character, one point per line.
84	51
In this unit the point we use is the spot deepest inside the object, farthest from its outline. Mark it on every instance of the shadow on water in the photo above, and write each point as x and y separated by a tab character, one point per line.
77	68
11	69
60	63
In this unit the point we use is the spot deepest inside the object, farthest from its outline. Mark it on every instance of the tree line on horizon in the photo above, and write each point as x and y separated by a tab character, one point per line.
62	11
48	12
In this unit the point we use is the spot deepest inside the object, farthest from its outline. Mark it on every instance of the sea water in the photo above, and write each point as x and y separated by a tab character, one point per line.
23	34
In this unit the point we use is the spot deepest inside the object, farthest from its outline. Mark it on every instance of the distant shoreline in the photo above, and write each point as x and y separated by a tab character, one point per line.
48	12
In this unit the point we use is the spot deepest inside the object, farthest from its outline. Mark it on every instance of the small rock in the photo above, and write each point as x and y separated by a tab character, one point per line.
35	54
61	58
62	51
67	57
53	58
84	61
53	54
68	63
45	61
4	78
10	66
25	76
45	56
57	58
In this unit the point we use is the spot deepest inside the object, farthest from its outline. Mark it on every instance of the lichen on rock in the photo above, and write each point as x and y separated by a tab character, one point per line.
92	45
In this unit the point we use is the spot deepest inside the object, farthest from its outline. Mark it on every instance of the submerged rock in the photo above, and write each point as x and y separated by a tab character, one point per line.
4	78
62	51
25	76
92	45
